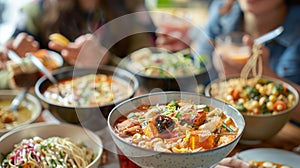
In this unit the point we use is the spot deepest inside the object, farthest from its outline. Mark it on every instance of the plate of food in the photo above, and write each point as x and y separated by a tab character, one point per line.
268	157
165	70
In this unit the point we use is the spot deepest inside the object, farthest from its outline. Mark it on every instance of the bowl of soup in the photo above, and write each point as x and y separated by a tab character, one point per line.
86	95
266	103
28	111
166	71
175	129
66	145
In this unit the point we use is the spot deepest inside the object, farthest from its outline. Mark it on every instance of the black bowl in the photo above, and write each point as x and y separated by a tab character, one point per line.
187	83
92	117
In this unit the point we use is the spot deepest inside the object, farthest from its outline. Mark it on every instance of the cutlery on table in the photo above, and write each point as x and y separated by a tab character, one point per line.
36	62
18	99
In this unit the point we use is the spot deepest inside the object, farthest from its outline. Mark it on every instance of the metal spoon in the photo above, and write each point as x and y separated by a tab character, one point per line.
18	99
14	56
269	36
36	62
20	96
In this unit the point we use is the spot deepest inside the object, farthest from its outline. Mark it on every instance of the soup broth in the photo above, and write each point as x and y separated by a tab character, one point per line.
9	119
88	90
179	126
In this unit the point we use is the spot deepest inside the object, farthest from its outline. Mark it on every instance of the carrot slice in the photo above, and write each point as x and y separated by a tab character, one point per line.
279	106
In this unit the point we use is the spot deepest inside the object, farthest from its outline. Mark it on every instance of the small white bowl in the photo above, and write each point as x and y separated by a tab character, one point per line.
57	58
45	130
45	55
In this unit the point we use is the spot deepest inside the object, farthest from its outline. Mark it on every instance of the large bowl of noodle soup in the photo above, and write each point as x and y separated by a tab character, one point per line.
78	137
162	144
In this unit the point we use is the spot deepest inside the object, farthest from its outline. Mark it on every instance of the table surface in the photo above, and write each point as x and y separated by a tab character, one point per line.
287	139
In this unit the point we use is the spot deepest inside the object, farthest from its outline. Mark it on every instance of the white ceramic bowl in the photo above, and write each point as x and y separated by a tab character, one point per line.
57	58
31	102
45	130
47	56
150	158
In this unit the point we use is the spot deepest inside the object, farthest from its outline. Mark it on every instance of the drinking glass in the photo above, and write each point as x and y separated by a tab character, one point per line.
231	47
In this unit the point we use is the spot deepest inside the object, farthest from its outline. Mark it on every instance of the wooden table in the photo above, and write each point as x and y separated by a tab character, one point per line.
287	139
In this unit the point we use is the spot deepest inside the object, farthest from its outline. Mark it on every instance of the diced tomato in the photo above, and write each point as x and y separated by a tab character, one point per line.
235	94
279	106
285	89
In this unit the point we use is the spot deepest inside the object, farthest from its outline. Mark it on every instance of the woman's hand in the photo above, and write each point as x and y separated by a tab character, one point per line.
225	66
3	56
22	44
172	33
86	50
228	67
265	54
231	162
172	41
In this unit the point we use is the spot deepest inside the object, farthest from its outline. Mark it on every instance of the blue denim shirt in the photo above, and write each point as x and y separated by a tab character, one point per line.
284	50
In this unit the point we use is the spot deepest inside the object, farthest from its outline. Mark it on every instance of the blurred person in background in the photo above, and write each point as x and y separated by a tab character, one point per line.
281	56
77	20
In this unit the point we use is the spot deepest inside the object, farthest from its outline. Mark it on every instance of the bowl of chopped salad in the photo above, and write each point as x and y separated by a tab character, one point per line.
161	69
266	103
